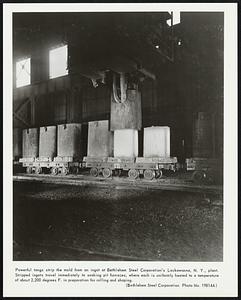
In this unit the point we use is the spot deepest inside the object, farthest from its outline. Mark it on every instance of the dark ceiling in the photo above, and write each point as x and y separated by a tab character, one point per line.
98	36
96	40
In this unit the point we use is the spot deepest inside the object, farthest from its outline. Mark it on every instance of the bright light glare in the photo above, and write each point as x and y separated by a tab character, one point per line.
23	72
58	58
176	18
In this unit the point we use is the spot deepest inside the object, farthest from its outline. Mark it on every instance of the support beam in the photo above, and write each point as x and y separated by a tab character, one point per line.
33	115
22	105
21	119
147	73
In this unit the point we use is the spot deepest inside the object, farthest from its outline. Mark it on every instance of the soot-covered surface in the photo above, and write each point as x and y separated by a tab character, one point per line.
57	222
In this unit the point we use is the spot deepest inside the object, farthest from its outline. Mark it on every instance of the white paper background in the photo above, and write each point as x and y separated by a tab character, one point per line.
228	281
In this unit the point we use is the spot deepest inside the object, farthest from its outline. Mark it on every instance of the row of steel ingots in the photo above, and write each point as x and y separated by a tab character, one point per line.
53	143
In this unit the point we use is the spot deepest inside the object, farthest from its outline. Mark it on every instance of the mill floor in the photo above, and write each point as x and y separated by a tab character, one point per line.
114	222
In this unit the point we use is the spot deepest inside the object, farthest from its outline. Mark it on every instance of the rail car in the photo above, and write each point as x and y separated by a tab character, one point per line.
56	150
149	168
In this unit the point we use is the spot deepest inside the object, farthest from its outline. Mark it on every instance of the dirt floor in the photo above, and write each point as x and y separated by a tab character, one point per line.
60	222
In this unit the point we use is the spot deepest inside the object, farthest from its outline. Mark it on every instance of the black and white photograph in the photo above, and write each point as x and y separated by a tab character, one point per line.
118	136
